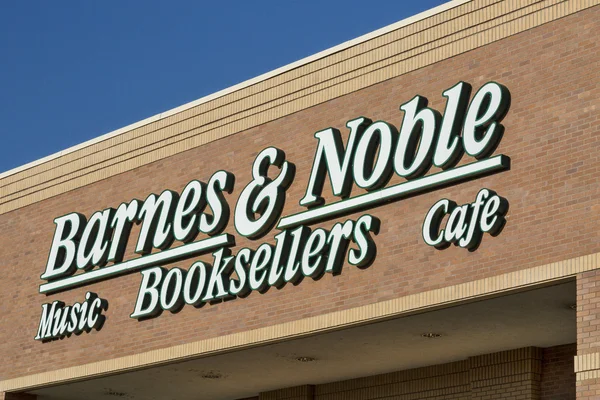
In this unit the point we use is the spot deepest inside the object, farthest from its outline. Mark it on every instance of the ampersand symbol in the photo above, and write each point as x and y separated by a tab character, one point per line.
261	202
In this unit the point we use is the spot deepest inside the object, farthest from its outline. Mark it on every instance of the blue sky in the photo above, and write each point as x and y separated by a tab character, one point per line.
74	70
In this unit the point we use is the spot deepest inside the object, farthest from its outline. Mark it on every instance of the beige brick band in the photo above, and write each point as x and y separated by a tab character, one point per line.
543	274
587	366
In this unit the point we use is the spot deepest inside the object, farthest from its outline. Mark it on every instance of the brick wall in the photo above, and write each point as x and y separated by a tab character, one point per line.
551	135
512	374
558	373
588	335
522	374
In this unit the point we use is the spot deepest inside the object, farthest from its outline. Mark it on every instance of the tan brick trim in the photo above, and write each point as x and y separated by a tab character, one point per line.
586	375
440	36
543	274
587	366
587	362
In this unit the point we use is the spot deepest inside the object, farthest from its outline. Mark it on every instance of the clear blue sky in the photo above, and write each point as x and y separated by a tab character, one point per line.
74	70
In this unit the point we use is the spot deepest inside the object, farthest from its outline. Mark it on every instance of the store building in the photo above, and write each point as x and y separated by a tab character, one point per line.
410	215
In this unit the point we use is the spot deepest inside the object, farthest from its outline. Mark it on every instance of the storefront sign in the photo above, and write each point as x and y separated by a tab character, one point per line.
82	248
60	321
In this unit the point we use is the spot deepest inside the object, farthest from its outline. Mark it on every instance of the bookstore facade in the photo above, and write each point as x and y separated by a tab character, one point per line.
410	215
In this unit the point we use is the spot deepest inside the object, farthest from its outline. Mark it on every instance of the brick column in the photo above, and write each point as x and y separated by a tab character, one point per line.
513	374
305	392
587	361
